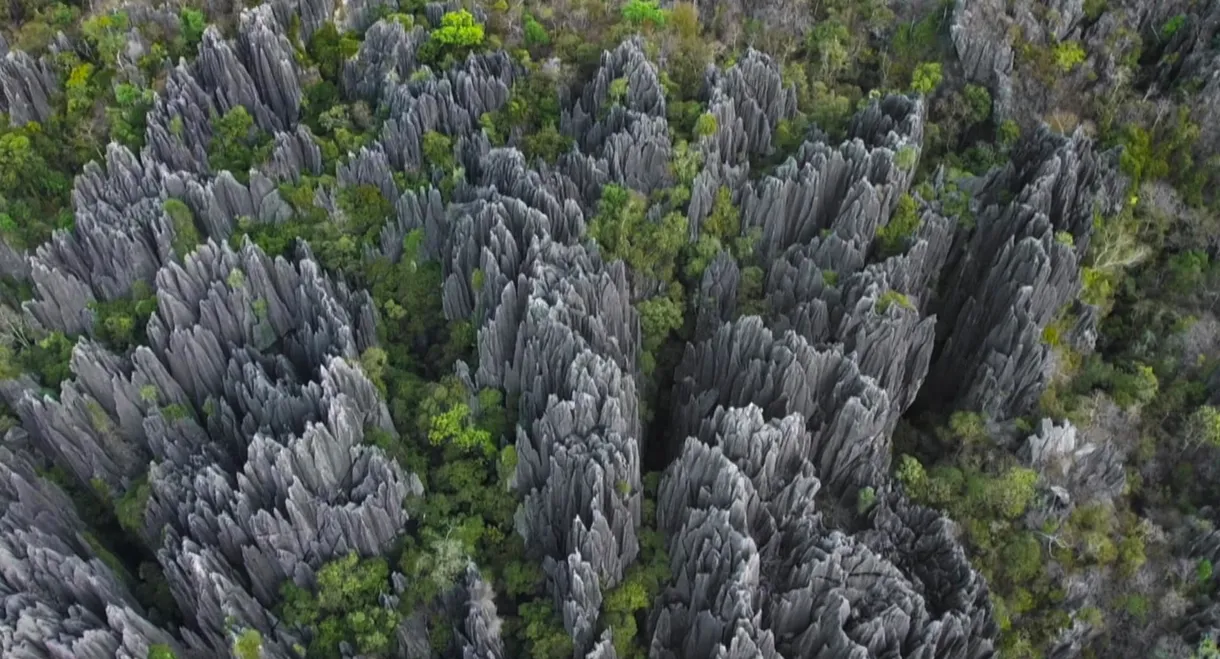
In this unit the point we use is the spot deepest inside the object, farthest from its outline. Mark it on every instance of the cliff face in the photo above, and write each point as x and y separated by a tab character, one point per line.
246	416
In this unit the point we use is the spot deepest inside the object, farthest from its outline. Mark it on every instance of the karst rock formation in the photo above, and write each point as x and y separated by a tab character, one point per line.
243	416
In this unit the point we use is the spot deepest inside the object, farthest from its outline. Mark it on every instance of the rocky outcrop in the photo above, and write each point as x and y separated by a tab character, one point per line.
758	573
247	449
1077	472
1021	266
745	363
60	597
28	86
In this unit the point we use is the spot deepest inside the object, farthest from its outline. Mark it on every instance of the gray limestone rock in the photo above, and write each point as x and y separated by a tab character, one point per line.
757	573
60	598
387	56
744	363
1085	471
748	100
270	59
28	86
980	37
1014	275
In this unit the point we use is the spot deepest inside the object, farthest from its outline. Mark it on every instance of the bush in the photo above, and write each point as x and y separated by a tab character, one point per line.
161	651
192	23
248	645
706	125
329	50
644	13
1068	55
902	225
237	145
926	78
892	297
458	34
535	33
1172	26
866	498
129	509
438	150
186	234
345	607
979	100
547	144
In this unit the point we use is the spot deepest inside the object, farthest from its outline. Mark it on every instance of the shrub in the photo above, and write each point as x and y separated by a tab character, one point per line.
979	100
458	30
248	645
1172	26
1093	9
644	13
535	33
926	78
1068	55
192	23
161	651
890	298
706	125
1008	133
186	234
902	225
866	498
345	607
129	509
329	50
906	157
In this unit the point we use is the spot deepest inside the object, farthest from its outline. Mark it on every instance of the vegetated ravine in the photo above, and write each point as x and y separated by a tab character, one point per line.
598	329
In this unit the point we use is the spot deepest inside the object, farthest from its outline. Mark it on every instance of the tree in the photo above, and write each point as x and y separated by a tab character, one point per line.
459	33
827	44
454	427
1203	427
344	607
248	645
706	125
161	651
644	13
186	234
127	117
543	631
902	225
21	165
438	150
1207	649
329	50
546	144
623	230
237	145
1068	55
192	23
926	78
535	33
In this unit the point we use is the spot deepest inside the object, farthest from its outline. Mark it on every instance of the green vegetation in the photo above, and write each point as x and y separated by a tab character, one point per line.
344	608
890	298
161	651
926	78
903	224
458	34
248	645
121	323
1068	55
644	13
236	144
